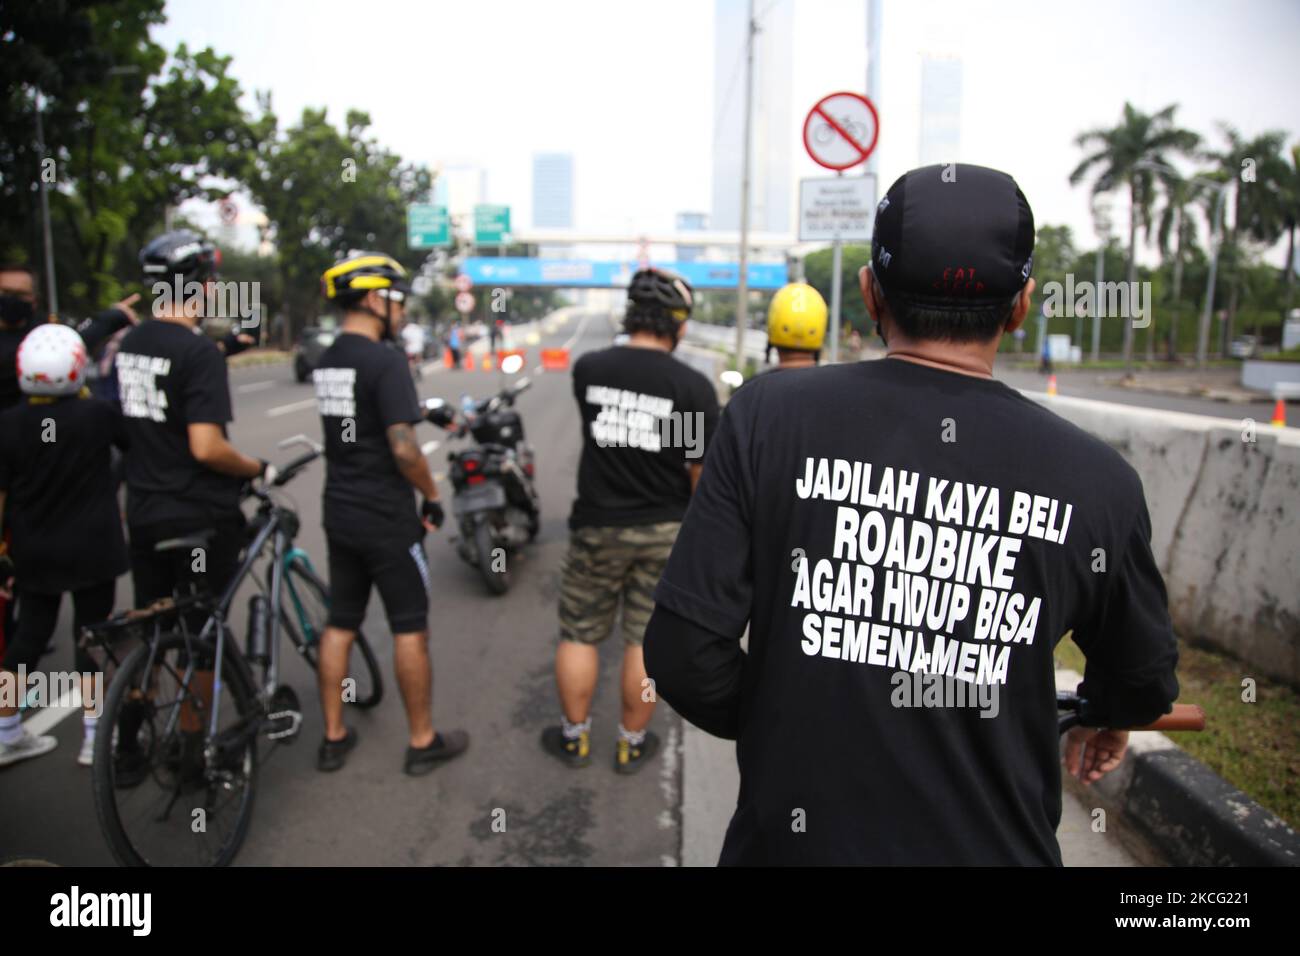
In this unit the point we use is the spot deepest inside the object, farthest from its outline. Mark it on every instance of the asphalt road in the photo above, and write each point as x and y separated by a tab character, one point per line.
493	675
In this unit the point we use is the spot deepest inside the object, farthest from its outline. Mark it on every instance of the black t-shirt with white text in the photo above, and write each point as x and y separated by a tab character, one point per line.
60	502
645	416
170	377
907	546
362	388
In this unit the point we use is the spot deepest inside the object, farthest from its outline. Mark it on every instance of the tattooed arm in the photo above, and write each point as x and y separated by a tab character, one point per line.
410	460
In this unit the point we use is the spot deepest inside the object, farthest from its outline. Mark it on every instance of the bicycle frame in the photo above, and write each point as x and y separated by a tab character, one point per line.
217	618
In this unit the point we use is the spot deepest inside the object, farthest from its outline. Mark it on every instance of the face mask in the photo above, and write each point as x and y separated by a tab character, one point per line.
16	311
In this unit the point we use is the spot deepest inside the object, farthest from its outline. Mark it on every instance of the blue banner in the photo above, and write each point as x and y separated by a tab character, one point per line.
610	274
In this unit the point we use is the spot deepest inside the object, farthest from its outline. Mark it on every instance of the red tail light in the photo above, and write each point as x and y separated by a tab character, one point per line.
471	465
475	479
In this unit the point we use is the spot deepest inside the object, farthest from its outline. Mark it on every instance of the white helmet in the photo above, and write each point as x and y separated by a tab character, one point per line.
52	361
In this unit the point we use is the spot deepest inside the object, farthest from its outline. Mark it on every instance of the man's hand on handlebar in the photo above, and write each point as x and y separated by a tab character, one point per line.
1090	753
431	514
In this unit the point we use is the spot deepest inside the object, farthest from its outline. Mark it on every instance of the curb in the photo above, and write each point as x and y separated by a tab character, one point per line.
1190	813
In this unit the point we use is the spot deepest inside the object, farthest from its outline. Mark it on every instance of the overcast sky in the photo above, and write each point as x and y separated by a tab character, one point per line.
627	87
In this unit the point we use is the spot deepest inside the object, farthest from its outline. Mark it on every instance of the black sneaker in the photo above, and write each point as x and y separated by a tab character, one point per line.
446	745
333	754
629	758
575	752
130	767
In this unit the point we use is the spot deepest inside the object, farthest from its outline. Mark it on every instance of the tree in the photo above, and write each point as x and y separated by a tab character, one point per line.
817	269
1175	222
326	193
131	132
1129	156
1259	204
1290	220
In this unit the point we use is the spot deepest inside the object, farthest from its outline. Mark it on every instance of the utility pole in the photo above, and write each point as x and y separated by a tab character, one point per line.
742	285
51	294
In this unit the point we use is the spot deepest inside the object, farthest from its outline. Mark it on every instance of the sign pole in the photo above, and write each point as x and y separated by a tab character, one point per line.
837	292
742	281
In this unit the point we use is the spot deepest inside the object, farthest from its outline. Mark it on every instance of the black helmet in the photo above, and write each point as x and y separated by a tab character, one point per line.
658	287
358	272
180	252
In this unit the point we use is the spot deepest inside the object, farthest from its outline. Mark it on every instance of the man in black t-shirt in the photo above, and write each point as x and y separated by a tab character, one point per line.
183	477
907	540
373	528
646	420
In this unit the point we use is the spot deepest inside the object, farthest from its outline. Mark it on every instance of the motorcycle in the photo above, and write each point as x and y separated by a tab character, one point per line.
495	502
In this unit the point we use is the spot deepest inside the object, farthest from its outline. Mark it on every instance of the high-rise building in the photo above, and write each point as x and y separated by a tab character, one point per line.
770	169
460	188
940	110
553	190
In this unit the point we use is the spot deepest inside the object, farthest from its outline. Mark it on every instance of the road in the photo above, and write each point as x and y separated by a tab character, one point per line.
493	674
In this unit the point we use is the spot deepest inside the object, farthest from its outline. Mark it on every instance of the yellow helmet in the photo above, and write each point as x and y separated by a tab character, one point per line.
796	319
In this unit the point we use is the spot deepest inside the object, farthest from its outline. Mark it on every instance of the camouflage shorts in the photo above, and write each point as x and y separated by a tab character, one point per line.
603	564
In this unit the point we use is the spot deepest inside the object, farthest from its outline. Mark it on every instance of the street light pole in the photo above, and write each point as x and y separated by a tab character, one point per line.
742	284
51	293
1101	222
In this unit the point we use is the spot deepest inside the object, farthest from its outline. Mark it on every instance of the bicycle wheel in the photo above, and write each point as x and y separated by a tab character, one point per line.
160	800
313	612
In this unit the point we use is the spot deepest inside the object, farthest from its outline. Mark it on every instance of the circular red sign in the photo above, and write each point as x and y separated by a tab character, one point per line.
463	283
841	130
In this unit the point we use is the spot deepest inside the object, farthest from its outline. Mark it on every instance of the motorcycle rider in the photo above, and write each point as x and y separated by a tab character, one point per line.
635	479
374	531
796	325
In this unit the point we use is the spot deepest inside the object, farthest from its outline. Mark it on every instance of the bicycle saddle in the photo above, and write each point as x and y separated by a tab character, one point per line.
187	542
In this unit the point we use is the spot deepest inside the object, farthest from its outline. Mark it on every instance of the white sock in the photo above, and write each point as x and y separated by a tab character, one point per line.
635	737
573	731
11	729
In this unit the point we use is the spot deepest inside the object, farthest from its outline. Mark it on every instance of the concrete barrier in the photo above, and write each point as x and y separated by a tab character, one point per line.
1225	522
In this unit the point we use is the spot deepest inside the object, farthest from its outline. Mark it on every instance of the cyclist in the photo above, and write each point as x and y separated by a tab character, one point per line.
374	531
646	420
56	481
882	524
183	476
796	325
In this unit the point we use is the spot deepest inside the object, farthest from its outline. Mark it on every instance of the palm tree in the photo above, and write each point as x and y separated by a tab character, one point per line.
1174	221
1290	220
1259	206
1125	156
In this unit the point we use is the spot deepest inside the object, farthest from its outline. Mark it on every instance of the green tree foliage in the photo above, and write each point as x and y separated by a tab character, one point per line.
817	270
1130	156
327	192
131	132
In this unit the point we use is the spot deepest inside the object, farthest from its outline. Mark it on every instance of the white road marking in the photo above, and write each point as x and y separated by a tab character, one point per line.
254	387
291	407
430	447
48	718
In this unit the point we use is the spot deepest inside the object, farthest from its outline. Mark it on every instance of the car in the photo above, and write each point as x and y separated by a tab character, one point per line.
1243	346
311	345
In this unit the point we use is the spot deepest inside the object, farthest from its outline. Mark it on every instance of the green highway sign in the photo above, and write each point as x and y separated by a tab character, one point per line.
491	224
427	226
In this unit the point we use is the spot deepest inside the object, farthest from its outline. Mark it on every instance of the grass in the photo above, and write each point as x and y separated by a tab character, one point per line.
259	357
1255	746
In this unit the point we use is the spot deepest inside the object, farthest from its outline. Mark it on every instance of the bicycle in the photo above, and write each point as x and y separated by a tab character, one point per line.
170	694
1075	711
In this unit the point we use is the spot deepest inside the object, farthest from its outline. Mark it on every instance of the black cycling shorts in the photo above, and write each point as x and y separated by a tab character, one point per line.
400	571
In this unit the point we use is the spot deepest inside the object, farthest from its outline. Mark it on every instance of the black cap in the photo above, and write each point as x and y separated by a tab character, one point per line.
953	236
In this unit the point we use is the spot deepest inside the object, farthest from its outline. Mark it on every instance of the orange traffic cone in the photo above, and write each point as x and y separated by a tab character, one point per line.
487	362
468	364
446	359
1051	385
1279	414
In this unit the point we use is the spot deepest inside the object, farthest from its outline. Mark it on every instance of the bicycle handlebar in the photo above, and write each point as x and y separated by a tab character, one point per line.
1183	717
289	471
